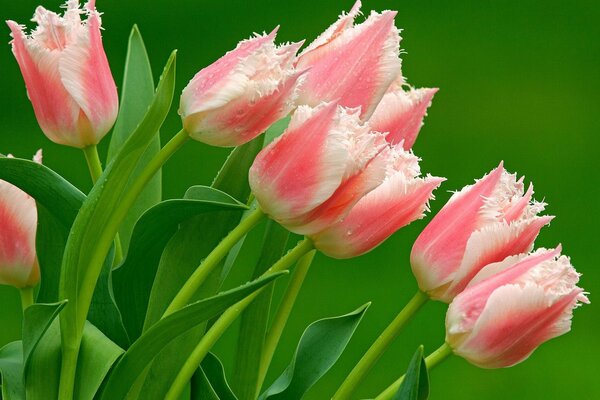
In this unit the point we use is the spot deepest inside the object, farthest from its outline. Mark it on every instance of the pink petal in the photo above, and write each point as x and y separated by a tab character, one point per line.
439	249
394	204
86	75
18	219
296	173
401	114
54	108
356	66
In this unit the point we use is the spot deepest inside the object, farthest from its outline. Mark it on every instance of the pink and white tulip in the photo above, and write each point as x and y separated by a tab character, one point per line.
352	64
401	198
239	96
312	175
18	223
401	114
67	75
483	223
512	307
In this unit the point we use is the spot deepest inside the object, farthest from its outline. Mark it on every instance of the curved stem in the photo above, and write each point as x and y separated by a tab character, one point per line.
443	352
226	319
93	162
380	346
72	328
283	312
208	265
26	297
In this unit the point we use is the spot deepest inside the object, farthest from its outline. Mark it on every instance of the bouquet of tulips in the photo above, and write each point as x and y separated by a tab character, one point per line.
121	291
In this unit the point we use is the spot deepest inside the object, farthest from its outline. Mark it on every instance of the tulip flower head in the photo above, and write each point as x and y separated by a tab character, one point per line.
401	197
239	96
18	223
324	162
67	75
481	224
513	306
401	114
353	64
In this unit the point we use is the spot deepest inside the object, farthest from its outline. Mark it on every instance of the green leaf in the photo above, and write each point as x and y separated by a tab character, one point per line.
415	385
210	378
55	193
11	368
136	96
254	321
132	281
50	240
36	321
194	240
96	223
96	356
104	313
57	203
143	350
320	346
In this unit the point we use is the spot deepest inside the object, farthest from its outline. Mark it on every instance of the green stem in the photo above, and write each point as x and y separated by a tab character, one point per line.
26	297
93	162
283	312
72	328
226	319
443	352
95	167
208	265
380	346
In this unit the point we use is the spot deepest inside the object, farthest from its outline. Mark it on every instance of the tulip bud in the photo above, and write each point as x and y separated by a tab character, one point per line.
401	198
67	74
18	223
513	306
401	114
352	64
239	96
312	175
483	223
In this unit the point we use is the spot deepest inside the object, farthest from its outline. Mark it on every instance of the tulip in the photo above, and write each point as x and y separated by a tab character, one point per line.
483	223
401	114
18	222
353	64
318	168
239	96
401	198
67	74
513	306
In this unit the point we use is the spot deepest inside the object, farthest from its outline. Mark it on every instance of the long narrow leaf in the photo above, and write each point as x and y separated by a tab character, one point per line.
136	96
141	353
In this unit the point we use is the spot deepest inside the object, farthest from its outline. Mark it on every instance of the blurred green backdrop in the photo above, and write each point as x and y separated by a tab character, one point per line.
519	82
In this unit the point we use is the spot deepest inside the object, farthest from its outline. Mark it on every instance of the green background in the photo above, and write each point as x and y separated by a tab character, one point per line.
518	82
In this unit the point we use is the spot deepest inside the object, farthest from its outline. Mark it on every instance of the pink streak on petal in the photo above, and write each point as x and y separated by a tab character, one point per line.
356	71
340	203
209	80
516	333
376	217
438	250
242	119
401	114
53	107
290	182
517	243
472	300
